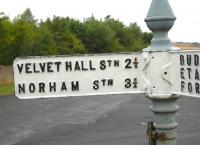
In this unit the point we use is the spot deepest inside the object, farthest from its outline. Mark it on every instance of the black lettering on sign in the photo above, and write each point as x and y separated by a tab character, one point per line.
63	87
182	73
110	82
103	82
107	82
21	88
190	87
34	68
127	83
77	66
189	72
49	66
135	82
109	62
91	67
181	60
58	65
135	62
197	88
31	87
116	63
102	65
41	87
20	67
68	65
196	60
52	86
182	85
197	74
128	63
42	66
131	83
27	66
75	86
189	60
82	66
96	85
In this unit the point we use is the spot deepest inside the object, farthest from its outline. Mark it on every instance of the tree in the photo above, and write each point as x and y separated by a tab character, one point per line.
147	38
44	43
97	36
6	40
24	33
26	17
66	41
24	36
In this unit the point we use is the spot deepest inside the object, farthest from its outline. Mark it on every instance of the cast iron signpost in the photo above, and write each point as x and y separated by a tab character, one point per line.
160	72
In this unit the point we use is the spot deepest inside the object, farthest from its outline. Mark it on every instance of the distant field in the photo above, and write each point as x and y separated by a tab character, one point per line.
7	89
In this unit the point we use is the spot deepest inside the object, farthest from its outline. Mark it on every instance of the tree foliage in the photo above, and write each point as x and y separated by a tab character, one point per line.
25	36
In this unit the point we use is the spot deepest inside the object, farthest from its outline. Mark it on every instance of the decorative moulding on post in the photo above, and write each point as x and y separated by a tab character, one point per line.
160	19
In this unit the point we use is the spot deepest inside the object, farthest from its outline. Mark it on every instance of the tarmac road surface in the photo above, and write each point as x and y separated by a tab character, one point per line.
90	120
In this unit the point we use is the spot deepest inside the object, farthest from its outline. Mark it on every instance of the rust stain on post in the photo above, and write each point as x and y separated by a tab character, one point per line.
163	137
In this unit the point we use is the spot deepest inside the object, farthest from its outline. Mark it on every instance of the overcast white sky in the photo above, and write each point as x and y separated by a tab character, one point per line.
186	28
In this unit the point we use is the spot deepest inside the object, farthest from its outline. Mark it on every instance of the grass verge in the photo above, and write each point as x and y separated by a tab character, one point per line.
7	89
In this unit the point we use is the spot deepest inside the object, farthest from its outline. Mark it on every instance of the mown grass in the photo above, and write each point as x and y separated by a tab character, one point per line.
7	89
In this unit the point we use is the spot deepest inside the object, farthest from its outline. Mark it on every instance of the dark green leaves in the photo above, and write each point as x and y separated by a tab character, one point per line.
25	36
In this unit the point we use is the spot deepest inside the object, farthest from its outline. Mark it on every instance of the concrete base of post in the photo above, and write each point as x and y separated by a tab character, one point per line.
164	108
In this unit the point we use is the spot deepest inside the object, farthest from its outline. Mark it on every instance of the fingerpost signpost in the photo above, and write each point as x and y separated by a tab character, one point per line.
160	72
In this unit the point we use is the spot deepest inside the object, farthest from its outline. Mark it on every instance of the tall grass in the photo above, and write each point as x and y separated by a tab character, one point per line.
6	89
